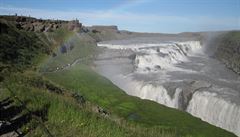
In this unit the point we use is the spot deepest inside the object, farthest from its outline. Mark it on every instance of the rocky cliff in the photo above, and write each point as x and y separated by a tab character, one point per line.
40	25
228	50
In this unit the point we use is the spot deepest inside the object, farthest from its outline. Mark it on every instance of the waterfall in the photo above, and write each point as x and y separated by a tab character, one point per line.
178	75
215	110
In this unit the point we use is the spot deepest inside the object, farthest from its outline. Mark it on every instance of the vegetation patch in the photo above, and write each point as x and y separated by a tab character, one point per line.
20	49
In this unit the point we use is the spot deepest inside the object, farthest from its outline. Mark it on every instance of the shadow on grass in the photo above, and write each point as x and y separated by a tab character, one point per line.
13	117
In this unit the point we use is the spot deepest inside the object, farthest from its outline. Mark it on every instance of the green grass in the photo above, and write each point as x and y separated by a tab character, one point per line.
102	92
83	48
66	118
20	49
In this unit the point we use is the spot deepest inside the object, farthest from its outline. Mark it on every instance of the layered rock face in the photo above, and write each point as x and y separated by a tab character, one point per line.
39	25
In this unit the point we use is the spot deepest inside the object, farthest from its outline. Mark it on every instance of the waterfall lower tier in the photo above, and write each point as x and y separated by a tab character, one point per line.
215	110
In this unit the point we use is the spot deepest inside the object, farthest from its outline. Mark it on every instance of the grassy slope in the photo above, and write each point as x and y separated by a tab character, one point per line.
65	117
20	49
83	47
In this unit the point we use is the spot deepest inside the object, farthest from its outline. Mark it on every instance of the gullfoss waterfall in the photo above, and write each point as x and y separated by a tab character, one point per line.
176	74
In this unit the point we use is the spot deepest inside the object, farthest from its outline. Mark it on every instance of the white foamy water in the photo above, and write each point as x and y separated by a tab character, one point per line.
216	110
178	75
164	56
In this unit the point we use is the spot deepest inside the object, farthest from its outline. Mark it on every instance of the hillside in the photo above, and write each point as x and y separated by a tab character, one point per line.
228	50
49	89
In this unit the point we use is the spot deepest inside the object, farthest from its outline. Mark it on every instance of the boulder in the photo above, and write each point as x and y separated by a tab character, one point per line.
79	98
102	111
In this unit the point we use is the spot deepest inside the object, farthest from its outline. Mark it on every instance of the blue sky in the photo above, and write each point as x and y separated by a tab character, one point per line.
166	16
